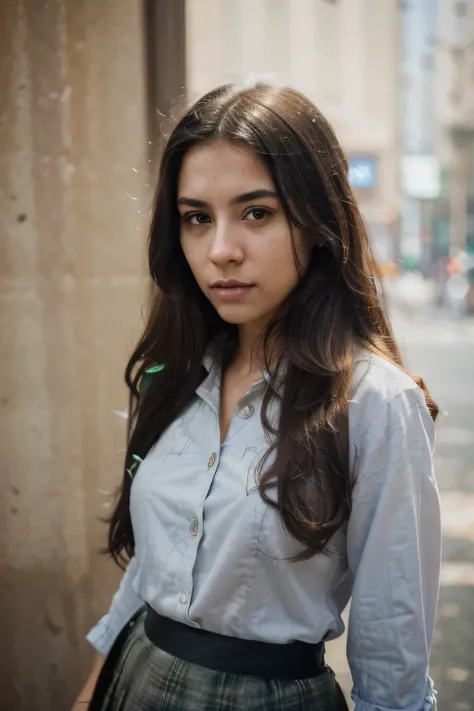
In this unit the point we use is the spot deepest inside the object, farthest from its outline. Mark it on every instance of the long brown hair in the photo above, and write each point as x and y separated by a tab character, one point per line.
335	308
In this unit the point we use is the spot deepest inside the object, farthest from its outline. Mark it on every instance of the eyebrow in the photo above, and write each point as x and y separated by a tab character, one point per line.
245	197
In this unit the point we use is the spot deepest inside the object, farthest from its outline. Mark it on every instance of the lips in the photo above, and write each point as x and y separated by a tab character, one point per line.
230	284
231	290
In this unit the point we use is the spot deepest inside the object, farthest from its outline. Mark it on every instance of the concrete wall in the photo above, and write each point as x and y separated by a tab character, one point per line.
73	154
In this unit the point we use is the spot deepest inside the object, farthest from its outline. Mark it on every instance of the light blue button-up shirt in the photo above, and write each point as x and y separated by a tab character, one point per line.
210	553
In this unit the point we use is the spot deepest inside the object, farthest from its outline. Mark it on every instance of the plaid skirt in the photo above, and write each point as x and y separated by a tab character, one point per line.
138	676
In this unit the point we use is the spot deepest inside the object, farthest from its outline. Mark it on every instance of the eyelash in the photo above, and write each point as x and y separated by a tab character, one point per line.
190	215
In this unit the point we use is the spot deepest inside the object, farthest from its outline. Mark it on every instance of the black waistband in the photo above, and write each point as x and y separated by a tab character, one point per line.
296	660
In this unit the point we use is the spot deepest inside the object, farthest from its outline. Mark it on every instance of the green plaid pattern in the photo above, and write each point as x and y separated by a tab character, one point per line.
144	678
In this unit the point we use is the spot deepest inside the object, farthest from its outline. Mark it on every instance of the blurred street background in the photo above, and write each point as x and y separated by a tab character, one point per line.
441	347
88	91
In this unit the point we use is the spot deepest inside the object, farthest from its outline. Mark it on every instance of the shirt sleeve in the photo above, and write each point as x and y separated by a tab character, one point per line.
394	554
125	604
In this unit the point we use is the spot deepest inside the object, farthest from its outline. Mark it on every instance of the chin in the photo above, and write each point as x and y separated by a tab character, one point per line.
237	316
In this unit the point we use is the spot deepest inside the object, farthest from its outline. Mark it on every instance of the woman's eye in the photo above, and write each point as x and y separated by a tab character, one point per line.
197	218
257	213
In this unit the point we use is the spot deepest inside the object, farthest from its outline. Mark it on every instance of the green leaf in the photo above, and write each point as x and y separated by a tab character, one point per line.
155	369
147	377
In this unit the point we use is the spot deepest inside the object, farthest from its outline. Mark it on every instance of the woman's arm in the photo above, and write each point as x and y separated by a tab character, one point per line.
394	553
125	604
82	701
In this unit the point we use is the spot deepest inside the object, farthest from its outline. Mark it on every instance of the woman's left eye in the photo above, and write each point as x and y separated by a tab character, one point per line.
257	213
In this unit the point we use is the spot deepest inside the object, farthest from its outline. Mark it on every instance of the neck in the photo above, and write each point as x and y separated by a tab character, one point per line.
249	356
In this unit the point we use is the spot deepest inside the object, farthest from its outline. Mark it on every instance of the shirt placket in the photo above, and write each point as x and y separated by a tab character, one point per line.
201	484
242	416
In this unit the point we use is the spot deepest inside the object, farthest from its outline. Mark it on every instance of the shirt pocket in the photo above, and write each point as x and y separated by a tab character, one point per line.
273	540
158	501
251	458
179	446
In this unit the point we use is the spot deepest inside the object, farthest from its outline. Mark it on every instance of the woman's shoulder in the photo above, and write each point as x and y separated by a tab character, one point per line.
379	385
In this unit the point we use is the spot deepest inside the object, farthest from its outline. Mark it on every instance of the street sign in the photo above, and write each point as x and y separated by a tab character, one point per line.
362	172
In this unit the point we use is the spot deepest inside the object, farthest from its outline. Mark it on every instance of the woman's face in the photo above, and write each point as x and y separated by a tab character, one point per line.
234	233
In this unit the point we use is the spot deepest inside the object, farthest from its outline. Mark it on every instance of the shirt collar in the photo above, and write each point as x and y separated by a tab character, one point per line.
212	363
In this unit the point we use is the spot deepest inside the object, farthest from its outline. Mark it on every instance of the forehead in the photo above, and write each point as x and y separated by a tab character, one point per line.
219	170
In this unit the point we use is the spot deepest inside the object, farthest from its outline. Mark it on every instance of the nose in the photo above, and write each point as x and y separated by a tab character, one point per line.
225	246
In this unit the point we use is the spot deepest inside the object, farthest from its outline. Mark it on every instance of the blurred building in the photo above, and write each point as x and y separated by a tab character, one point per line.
420	163
344	54
438	135
455	109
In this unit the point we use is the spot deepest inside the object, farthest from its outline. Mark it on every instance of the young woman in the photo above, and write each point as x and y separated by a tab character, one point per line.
280	457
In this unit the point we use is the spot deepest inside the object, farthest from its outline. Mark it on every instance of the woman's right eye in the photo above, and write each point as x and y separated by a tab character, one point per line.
197	218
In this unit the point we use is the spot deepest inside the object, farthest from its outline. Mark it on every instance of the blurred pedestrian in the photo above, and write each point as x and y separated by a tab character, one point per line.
280	457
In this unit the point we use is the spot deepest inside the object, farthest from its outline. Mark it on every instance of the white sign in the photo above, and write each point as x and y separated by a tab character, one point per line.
421	177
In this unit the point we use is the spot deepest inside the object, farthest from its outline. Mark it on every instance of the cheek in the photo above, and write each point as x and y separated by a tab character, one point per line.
192	256
279	267
278	262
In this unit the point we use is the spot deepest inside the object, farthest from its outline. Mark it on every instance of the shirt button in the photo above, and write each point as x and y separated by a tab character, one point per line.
212	460
246	412
183	598
194	527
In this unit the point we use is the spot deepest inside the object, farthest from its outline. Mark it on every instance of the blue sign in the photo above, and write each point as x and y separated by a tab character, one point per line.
362	172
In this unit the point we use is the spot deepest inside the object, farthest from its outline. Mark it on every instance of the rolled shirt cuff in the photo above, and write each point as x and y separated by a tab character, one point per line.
101	636
428	703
